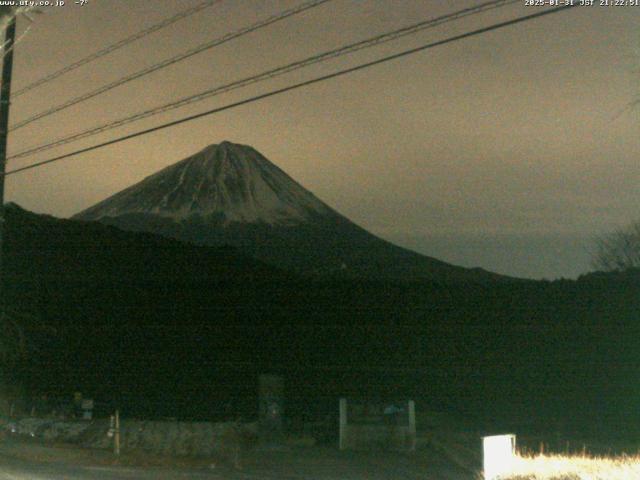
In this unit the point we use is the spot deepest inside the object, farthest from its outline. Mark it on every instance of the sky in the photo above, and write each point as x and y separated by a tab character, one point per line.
513	150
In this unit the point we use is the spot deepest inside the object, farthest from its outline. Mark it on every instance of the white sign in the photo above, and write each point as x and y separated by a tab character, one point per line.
499	455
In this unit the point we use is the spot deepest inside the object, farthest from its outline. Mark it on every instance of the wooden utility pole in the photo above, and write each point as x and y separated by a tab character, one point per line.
5	95
116	435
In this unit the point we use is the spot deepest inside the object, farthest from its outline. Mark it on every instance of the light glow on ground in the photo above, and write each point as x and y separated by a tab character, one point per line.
573	467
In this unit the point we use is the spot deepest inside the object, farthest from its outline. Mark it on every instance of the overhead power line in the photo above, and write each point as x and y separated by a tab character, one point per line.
118	45
170	61
296	86
269	74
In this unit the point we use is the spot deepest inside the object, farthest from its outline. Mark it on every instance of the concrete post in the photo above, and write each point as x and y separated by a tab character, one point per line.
343	423
412	425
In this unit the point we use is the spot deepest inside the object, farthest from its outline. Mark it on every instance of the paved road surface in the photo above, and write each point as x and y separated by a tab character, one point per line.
317	465
13	469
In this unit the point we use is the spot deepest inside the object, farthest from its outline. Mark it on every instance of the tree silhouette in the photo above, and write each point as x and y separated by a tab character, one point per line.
619	250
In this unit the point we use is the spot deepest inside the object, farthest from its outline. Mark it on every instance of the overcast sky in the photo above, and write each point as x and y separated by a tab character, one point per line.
510	150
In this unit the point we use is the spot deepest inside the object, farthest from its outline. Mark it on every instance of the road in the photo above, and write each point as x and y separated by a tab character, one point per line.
303	464
14	469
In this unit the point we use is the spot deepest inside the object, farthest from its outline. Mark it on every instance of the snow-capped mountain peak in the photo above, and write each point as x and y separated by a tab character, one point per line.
232	182
230	195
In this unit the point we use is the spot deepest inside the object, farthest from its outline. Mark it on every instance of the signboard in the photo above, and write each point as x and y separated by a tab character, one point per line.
378	413
385	425
87	408
499	455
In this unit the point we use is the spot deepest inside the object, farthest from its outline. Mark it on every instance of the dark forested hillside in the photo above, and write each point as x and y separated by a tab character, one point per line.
164	328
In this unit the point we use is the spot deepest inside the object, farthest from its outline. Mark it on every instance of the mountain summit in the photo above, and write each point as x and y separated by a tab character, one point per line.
230	182
229	194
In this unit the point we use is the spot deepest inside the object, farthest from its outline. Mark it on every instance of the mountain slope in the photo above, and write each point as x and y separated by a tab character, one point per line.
230	194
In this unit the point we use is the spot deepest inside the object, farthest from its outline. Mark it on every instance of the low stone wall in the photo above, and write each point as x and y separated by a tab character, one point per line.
161	437
379	437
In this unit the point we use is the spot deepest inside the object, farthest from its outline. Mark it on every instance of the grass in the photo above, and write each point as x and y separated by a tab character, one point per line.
575	467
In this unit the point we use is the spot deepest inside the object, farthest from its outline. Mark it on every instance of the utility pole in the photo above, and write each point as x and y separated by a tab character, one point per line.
5	94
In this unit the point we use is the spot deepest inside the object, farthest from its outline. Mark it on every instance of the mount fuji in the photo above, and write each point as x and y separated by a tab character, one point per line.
229	194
